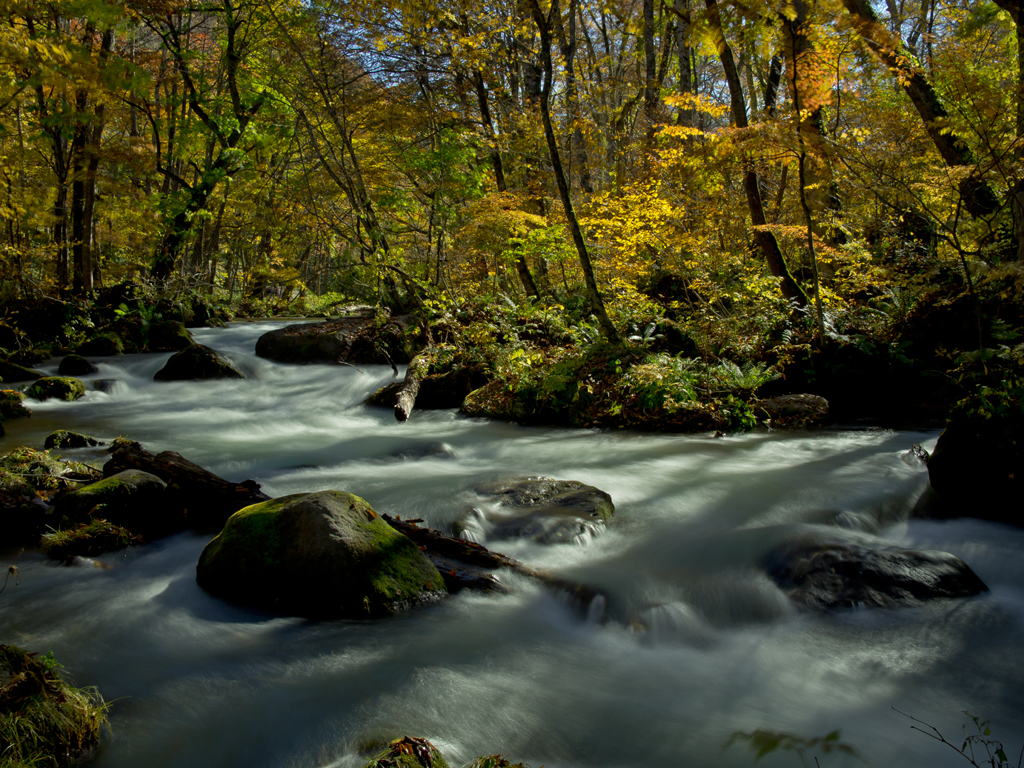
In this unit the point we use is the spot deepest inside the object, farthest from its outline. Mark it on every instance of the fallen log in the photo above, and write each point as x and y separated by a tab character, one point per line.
405	398
208	500
447	548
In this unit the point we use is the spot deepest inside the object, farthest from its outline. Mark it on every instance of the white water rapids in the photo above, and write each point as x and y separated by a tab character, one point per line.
695	643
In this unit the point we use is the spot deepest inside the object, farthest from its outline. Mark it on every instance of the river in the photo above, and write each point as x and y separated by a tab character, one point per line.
694	644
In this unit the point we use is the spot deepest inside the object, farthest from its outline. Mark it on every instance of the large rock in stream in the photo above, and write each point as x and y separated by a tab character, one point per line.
356	339
324	554
822	575
976	469
546	510
198	362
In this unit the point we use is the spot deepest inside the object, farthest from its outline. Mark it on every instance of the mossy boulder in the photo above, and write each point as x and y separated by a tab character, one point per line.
43	720
59	387
12	372
12	405
198	362
103	344
65	439
323	554
168	336
76	365
409	752
356	339
136	500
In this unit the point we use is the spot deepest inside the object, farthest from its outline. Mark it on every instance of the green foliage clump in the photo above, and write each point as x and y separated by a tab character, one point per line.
44	722
88	540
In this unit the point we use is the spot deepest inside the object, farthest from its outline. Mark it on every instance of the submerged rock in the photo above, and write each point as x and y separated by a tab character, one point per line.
540	508
76	365
198	362
322	554
60	387
822	575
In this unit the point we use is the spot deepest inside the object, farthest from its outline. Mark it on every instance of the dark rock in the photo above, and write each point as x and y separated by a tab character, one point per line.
61	387
209	499
976	469
168	336
349	339
322	554
103	344
916	456
539	508
76	365
12	372
133	499
198	362
788	411
64	439
12	405
821	575
105	385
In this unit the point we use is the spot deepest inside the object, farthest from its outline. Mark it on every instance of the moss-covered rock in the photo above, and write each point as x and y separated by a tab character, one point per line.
64	439
86	540
168	336
317	554
198	362
133	499
409	752
12	372
12	405
356	339
44	722
75	365
60	387
104	344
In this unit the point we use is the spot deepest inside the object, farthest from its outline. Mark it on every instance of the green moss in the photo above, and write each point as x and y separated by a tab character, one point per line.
65	439
104	343
44	722
60	387
86	540
323	554
495	761
409	752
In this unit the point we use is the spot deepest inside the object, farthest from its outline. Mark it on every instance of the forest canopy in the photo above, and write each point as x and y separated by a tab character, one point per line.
766	154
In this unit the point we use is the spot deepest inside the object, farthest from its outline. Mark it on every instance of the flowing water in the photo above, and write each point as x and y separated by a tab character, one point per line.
693	644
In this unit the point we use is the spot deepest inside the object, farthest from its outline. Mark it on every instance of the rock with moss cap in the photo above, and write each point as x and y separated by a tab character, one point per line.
168	336
11	372
324	554
133	499
104	344
12	405
197	362
60	387
62	438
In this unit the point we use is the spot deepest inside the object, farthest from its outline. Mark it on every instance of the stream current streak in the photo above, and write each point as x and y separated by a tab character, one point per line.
695	642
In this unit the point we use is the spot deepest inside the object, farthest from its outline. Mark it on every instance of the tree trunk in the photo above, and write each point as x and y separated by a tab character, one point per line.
764	238
594	296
